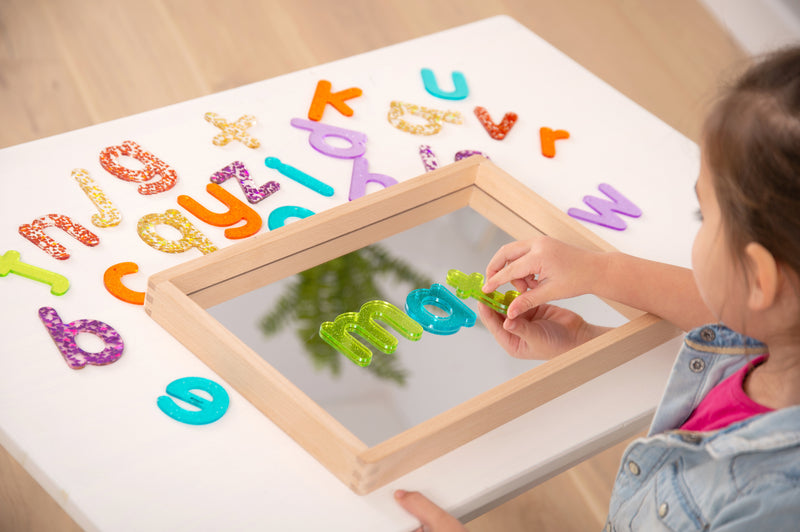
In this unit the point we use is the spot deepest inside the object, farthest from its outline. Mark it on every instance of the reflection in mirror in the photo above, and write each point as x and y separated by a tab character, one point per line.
421	379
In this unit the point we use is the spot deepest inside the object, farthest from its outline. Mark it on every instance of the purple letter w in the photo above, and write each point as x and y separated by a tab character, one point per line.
605	209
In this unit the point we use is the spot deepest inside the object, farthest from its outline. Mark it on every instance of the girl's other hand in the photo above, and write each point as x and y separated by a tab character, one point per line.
542	269
431	517
540	333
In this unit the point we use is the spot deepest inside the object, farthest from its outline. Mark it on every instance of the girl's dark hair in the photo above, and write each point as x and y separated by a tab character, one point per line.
751	144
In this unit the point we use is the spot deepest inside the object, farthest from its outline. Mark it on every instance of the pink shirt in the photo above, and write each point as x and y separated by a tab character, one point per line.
726	403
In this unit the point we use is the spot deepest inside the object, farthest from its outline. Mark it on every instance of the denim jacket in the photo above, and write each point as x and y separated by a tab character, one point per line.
743	477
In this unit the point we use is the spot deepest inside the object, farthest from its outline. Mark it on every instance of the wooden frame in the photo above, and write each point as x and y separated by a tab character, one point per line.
176	299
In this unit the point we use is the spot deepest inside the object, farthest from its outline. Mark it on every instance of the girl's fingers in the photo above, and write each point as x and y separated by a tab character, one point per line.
431	516
493	321
522	285
508	253
520	270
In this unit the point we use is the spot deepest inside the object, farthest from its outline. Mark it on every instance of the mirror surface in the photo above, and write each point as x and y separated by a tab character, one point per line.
421	379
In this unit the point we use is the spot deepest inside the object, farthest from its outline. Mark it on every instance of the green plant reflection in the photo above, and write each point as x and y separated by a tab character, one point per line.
341	285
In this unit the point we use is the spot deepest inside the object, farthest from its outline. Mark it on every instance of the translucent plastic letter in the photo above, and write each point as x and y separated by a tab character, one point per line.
63	334
192	237
458	314
209	412
338	333
470	286
237	212
34	232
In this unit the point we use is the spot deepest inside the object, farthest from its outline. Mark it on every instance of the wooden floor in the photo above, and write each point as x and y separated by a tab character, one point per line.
66	64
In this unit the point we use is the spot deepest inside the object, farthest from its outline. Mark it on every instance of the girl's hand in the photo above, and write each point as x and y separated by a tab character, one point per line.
542	269
431	517
540	333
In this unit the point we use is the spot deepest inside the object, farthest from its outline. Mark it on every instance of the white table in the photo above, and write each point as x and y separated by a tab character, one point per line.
94	438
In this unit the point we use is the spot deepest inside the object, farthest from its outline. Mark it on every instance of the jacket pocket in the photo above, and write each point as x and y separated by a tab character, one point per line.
671	505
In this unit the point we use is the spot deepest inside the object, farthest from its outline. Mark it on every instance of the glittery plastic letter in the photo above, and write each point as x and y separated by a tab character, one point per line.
604	209
429	159
34	232
10	263
153	166
235	131
192	237
338	333
470	286
278	217
237	212
112	279
460	88
238	171
548	139
433	118
301	177
323	96
320	132
496	131
458	314
361	176
64	334
209	411
109	215
463	154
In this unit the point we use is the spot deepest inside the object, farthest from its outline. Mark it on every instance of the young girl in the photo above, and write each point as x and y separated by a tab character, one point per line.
723	451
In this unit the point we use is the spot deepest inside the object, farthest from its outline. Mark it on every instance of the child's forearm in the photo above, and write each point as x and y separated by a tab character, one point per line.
667	291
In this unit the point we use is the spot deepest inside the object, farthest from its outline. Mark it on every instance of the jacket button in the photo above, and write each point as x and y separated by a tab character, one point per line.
708	334
633	467
663	509
697	365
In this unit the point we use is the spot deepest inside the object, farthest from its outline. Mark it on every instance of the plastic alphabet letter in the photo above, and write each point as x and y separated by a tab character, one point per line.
320	132
460	88
191	236
433	117
459	315
109	215
278	217
237	212
34	232
429	159
323	96
338	333
153	166
431	162
63	334
470	286
463	154
238	171
548	139
361	176
496	131
235	131
604	209
209	411
112	279
301	177
10	263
